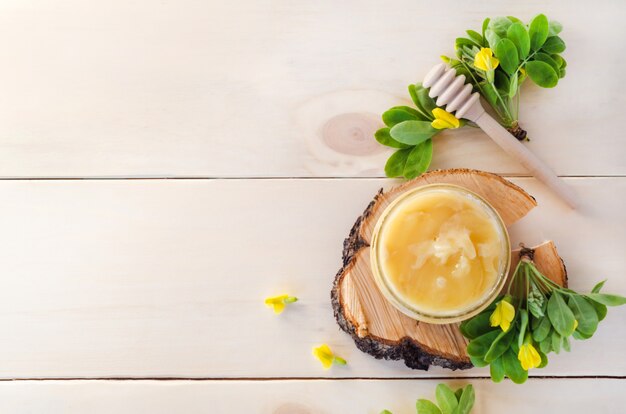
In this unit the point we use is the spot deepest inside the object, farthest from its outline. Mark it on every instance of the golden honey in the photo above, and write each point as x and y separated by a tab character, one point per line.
440	252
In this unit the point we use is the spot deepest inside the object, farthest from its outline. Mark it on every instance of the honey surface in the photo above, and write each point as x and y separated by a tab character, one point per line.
441	251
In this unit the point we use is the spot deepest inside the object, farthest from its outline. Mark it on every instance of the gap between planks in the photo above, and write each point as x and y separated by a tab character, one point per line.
286	178
265	379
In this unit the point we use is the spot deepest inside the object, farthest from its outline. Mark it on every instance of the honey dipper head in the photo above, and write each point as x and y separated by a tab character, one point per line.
452	92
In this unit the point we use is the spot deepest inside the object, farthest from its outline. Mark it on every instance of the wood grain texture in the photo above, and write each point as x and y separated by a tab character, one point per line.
136	277
276	88
604	396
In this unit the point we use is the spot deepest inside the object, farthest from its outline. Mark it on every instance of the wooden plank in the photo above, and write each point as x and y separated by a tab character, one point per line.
605	396
167	278
258	88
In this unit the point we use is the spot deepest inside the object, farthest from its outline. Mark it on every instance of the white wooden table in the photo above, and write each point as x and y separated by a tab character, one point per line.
167	164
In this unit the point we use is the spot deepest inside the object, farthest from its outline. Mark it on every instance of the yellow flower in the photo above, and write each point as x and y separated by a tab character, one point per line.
484	60
444	119
278	303
528	356
326	356
575	324
503	315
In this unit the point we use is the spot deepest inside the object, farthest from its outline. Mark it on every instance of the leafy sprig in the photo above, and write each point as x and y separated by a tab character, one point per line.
460	401
496	62
535	317
521	51
410	131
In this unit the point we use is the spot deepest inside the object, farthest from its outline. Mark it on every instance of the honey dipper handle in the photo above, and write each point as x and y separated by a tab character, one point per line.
535	166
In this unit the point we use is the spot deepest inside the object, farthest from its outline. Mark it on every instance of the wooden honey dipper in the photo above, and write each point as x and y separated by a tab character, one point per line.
451	91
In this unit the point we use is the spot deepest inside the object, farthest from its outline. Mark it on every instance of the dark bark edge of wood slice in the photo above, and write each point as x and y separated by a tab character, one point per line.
414	352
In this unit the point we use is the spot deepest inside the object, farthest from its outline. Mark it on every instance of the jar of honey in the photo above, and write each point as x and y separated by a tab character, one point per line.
440	253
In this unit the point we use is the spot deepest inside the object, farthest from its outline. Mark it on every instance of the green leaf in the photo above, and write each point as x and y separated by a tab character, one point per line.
544	57
395	164
446	399
554	28
412	132
461	42
584	313
427	407
496	369
546	345
542	330
518	34
485	25
601	310
535	302
478	347
565	344
462	70
544	360
476	37
513	368
426	102
523	326
458	393
502	81
492	38
553	44
580	336
413	92
500	25
386	412
513	87
383	137
556	342
542	74
514	19
558	59
597	287
476	326
399	114
607	299
489	93
478	362
419	159
561	316
499	345
538	31
466	402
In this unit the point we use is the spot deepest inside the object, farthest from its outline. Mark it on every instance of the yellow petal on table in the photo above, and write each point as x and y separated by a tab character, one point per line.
325	355
444	119
528	356
485	60
503	315
277	303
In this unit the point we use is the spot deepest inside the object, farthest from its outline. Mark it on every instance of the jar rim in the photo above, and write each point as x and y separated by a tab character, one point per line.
444	317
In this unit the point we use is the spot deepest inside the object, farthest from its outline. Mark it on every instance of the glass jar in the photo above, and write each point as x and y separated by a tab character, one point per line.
390	289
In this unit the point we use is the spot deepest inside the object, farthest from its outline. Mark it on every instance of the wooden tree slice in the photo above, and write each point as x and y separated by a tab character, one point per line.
377	327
